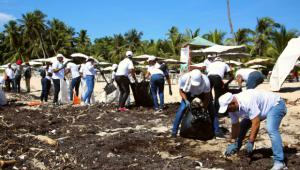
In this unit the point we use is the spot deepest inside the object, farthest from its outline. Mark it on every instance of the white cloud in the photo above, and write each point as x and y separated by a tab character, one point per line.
4	18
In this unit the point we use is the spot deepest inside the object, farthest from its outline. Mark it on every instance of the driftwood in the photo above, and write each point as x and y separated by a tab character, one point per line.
46	140
7	163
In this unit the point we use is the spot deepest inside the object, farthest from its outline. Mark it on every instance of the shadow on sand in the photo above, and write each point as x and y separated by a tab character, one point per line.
289	89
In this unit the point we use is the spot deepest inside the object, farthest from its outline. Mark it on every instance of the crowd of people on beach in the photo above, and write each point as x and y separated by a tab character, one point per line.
250	104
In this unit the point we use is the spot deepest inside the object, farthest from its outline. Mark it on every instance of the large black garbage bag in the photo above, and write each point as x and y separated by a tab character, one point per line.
196	124
141	94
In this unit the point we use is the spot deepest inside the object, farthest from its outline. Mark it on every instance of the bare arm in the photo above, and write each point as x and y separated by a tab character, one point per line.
182	94
206	99
254	128
235	130
239	80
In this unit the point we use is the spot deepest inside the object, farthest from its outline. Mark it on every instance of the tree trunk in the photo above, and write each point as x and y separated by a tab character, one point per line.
43	48
230	21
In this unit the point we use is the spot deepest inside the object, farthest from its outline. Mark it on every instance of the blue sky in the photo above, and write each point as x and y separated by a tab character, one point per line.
154	17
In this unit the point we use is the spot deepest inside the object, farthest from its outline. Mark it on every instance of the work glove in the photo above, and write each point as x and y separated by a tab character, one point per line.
232	149
170	91
249	147
187	104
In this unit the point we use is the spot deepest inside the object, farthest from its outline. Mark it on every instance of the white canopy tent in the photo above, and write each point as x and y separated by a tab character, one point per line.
237	63
172	61
83	57
257	66
144	57
220	49
258	61
34	63
285	63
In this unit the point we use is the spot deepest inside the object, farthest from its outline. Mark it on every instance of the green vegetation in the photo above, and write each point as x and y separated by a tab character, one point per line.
33	36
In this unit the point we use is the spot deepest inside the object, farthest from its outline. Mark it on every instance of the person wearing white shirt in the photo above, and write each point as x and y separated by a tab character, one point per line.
216	72
192	85
74	70
252	77
58	69
208	61
157	83
256	105
89	73
10	80
125	67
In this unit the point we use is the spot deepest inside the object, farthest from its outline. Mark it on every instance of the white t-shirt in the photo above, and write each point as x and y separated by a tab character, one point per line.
74	70
154	69
207	62
253	103
218	68
124	66
61	73
89	69
244	73
195	90
10	73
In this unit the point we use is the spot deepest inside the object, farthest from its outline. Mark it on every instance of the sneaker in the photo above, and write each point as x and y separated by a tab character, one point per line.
219	135
123	109
173	135
158	111
278	166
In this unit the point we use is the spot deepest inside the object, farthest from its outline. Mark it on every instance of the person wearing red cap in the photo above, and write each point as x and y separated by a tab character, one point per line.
18	76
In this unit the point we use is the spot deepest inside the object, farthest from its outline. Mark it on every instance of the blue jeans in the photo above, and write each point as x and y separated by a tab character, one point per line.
157	84
182	108
90	82
75	84
255	78
274	118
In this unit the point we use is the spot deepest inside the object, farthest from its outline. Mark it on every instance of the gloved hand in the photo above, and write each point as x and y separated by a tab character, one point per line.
170	91
249	147
187	104
231	149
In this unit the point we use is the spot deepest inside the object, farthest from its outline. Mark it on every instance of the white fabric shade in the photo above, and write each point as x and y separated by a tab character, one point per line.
221	49
51	59
257	66
285	63
234	62
258	61
172	61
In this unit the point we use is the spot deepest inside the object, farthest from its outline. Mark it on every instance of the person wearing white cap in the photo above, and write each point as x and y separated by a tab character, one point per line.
157	82
251	76
125	68
58	69
256	105
216	72
191	85
208	61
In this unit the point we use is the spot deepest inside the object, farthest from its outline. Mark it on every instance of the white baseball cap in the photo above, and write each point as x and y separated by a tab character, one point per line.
224	101
114	66
129	54
59	55
151	58
196	77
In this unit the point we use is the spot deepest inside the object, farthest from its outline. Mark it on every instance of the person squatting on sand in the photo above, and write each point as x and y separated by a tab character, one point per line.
192	85
157	82
125	67
255	105
251	76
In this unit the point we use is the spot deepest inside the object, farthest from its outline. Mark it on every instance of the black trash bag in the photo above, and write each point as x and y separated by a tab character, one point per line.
196	124
141	94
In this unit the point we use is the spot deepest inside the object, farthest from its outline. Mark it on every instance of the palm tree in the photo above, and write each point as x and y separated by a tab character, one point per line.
280	39
229	19
215	36
265	26
133	39
190	34
83	42
33	26
176	40
13	39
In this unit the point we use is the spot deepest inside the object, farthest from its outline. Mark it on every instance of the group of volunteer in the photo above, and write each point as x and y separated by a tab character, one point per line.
13	75
252	105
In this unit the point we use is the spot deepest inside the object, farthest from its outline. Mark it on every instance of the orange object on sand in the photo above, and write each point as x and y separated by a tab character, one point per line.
34	103
76	99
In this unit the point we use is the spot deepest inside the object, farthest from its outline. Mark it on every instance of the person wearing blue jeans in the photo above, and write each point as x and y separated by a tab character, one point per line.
252	77
191	85
157	82
90	83
256	105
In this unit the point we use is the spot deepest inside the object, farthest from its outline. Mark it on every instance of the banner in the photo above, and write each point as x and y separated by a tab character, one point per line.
184	57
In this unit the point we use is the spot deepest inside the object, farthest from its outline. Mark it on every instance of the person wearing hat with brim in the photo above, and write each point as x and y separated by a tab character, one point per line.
192	85
157	83
216	72
58	69
18	76
125	67
256	105
89	72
